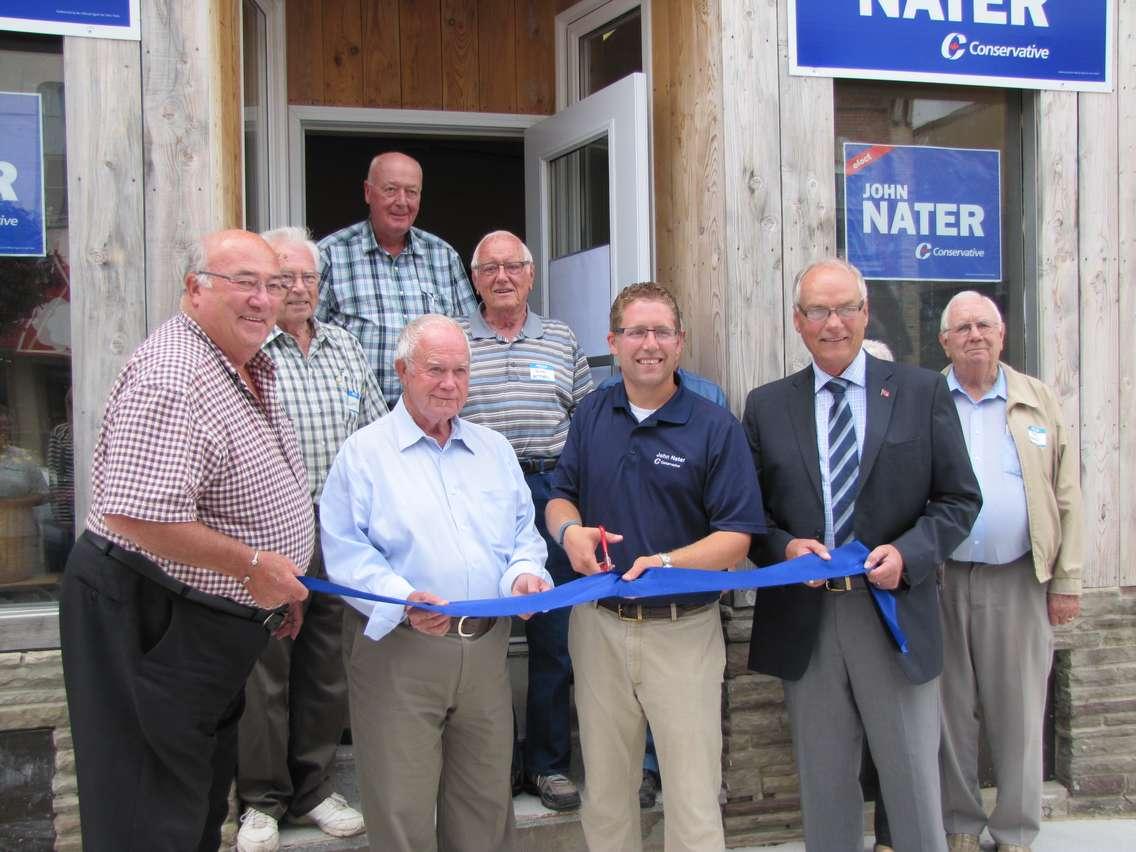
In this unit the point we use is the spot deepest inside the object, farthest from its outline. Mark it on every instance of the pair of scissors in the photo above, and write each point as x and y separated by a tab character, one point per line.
603	546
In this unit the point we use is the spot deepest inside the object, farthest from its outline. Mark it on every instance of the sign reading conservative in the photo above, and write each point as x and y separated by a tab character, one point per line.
916	213
1028	44
21	175
93	18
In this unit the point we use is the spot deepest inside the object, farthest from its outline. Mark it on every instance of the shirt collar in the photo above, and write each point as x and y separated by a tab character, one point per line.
319	334
997	391
479	329
408	433
677	409
258	362
856	373
372	244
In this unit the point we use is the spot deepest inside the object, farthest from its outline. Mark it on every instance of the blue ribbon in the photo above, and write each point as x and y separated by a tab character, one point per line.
655	582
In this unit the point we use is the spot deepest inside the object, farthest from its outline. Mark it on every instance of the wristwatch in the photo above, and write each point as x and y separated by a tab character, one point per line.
665	558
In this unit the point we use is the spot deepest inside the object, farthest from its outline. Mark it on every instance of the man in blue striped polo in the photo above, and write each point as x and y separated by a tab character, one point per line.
527	376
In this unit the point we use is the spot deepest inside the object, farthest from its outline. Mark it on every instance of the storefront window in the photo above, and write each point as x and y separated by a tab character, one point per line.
37	484
905	314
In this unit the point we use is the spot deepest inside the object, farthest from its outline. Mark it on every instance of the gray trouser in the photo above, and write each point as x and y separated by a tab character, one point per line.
295	710
432	724
998	650
853	688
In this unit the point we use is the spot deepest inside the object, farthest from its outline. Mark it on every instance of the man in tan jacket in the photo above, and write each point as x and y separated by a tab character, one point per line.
1016	575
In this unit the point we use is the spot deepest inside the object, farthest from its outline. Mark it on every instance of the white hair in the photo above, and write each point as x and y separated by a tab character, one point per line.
412	332
292	234
879	349
494	235
945	320
835	263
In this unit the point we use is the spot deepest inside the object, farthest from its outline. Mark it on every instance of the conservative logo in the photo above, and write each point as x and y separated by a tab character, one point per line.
953	46
922	251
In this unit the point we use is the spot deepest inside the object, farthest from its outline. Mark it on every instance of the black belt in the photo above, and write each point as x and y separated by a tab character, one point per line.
638	612
846	584
270	619
537	465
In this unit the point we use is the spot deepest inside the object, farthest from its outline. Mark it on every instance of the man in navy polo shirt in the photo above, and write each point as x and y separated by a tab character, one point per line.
670	474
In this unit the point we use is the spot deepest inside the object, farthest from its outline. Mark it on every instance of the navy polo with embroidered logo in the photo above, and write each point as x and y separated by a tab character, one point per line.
683	473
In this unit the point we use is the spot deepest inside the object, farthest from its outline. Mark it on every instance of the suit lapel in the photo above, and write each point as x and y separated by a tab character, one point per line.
881	392
802	413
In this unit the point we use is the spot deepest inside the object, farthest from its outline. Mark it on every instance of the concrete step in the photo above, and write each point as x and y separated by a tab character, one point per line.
541	829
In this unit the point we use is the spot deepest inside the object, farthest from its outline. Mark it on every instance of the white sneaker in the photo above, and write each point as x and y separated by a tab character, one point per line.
258	832
334	816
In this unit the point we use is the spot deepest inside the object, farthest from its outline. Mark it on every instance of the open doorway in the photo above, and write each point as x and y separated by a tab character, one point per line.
470	185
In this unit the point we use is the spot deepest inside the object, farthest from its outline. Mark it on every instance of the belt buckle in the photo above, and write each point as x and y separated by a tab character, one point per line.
843	584
273	620
637	617
461	628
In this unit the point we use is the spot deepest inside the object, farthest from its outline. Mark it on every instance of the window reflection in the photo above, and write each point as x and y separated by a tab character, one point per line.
37	481
611	52
906	314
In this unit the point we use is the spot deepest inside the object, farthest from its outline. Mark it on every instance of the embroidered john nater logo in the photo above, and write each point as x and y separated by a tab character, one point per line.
670	460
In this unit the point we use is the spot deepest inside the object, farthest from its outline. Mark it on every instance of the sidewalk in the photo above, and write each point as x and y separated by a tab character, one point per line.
1066	835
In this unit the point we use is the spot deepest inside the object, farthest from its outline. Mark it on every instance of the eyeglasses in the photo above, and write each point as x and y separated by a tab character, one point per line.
984	328
512	268
638	333
310	279
818	313
275	286
390	190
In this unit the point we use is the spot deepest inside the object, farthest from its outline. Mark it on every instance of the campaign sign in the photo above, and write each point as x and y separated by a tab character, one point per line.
1028	44
95	18
21	175
915	213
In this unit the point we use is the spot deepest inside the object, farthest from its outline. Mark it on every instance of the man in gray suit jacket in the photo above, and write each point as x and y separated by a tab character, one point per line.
853	447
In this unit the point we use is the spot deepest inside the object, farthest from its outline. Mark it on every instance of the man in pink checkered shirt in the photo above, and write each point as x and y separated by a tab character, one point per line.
200	522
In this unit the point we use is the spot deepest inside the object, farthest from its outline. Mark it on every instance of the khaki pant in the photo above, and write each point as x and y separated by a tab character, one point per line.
998	647
432	724
668	673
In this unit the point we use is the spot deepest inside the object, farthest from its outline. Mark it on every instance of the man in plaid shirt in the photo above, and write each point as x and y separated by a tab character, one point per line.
381	273
297	694
200	522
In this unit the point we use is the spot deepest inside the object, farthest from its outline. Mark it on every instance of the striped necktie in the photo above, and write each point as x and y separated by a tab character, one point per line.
843	461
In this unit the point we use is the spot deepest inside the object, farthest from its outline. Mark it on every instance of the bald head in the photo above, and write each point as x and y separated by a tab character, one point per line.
393	190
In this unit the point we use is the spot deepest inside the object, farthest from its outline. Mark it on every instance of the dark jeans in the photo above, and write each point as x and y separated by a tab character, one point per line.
548	734
155	687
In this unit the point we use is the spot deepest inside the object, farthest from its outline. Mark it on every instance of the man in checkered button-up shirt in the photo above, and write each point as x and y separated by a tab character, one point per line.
381	273
200	516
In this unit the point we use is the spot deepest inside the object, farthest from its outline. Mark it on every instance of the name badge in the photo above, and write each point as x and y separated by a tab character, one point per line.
1038	436
539	372
351	398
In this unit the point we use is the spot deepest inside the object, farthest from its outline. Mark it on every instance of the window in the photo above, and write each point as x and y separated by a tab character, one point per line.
37	480
906	314
264	113
597	43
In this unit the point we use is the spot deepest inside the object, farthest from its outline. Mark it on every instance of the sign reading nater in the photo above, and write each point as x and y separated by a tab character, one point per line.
1028	44
21	175
917	213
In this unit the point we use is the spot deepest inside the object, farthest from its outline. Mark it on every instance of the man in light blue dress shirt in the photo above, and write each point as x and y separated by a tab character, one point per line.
425	506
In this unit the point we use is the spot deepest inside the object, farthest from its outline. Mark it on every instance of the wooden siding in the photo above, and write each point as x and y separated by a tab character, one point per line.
1126	286
465	55
689	196
107	249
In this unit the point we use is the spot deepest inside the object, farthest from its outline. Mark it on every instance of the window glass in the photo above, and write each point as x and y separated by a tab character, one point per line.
611	52
37	480
580	199
906	314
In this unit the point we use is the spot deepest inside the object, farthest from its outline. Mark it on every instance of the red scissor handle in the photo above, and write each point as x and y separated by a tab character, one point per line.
603	546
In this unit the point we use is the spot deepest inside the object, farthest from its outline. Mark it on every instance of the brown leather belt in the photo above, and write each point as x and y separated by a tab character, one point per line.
468	627
638	612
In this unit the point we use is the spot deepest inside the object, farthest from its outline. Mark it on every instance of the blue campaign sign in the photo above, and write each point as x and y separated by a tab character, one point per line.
96	18
21	175
916	213
1031	44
